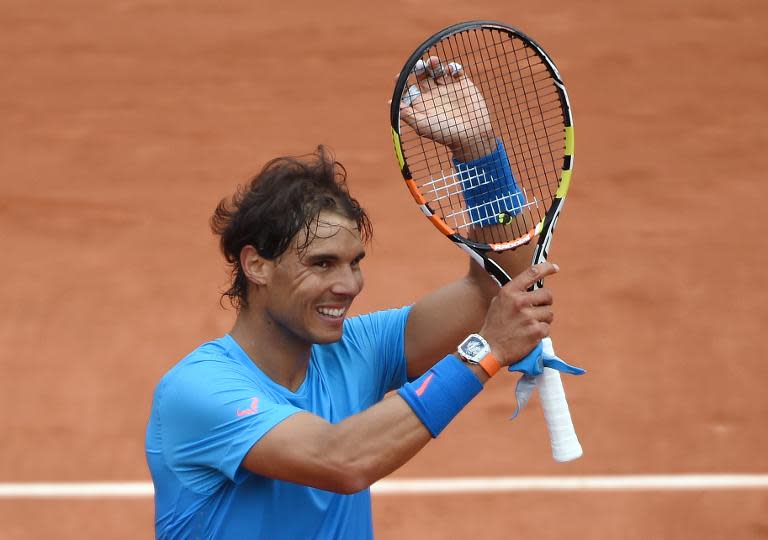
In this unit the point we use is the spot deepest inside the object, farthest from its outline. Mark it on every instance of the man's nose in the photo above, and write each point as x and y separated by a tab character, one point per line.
349	282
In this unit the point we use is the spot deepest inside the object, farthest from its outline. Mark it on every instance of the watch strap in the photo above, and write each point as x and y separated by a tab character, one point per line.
490	365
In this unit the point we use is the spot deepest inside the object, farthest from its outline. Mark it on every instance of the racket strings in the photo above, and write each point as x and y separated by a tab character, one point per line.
540	109
524	112
523	94
527	101
461	184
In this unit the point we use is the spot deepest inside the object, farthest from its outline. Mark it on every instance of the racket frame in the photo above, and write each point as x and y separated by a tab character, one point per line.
544	229
546	226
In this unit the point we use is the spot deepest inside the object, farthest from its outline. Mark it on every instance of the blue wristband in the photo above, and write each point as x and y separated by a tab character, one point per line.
438	395
489	188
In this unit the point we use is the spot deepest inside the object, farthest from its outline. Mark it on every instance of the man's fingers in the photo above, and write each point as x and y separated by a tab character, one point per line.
424	73
542	314
435	67
455	70
540	297
444	74
525	279
434	71
420	70
409	96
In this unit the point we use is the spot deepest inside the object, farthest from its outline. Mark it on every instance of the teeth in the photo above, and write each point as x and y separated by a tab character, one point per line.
338	312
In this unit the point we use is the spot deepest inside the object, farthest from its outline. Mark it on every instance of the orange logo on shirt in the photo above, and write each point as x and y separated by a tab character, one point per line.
251	410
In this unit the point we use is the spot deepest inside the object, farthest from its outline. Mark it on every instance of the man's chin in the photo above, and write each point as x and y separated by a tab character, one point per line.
328	330
327	338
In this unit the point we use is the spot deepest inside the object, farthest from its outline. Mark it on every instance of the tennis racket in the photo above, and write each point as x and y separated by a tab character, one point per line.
478	88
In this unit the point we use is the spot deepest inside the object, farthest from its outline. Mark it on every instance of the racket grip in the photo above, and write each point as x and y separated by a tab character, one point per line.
562	435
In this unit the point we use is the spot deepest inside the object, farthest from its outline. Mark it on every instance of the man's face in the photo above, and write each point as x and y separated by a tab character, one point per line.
310	291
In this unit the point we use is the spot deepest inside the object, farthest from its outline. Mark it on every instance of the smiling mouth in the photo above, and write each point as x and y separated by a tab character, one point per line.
335	313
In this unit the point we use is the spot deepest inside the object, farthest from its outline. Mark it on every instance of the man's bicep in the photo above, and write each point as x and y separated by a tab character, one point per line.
295	450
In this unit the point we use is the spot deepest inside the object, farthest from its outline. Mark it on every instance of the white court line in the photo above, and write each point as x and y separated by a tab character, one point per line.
571	483
429	486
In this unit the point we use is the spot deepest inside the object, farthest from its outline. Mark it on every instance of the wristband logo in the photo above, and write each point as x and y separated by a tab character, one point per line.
420	390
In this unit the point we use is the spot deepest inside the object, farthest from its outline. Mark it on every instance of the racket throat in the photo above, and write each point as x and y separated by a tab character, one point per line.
496	272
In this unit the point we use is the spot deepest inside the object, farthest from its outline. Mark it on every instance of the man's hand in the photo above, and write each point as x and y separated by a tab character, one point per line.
518	319
449	109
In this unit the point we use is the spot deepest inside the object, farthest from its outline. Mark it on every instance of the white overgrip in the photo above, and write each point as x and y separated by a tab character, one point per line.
562	435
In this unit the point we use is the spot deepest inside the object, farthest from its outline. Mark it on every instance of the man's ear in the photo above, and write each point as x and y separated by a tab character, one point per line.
256	268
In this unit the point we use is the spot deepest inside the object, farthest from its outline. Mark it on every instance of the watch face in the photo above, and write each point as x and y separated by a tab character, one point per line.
474	348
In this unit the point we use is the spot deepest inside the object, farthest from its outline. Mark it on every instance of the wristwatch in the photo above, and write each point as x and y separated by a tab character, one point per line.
475	350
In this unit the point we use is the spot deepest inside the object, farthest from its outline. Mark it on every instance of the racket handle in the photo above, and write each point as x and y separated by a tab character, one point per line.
562	435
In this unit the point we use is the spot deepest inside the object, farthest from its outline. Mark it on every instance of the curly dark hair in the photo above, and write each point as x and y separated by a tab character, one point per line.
283	199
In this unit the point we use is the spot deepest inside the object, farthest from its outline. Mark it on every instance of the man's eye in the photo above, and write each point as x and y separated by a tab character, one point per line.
322	264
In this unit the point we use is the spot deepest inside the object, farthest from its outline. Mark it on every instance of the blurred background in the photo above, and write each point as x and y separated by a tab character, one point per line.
125	122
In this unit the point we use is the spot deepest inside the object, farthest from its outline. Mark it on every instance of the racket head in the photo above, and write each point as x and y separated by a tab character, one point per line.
530	114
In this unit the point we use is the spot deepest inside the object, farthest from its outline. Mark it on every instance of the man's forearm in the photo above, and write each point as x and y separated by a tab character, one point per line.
381	439
439	321
345	457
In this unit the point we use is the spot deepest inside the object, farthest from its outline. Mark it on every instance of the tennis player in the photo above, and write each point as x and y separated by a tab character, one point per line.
278	429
